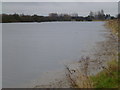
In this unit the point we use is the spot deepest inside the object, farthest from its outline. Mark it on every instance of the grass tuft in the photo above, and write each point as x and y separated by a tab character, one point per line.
108	78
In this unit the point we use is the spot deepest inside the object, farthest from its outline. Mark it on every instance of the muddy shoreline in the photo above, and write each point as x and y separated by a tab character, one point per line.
87	65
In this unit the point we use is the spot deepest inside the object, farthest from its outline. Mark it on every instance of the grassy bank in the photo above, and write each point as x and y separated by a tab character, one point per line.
109	77
114	26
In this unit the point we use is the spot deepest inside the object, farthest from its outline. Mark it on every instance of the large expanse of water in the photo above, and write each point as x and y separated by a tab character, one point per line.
30	49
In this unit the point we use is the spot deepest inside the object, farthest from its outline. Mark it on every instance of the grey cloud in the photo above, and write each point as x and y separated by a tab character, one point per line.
44	8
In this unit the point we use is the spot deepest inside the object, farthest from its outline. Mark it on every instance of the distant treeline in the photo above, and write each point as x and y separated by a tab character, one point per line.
35	18
6	18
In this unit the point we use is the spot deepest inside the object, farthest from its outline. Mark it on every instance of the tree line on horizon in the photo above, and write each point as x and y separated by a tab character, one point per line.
6	18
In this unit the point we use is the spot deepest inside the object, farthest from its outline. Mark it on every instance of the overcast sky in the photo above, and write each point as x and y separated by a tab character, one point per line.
44	8
60	0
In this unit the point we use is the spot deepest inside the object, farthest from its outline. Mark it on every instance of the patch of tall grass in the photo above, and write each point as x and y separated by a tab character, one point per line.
114	25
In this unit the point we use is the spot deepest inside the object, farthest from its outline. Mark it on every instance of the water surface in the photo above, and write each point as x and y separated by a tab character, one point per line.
30	49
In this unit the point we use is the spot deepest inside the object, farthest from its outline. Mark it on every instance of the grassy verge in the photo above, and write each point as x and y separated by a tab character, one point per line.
114	25
109	77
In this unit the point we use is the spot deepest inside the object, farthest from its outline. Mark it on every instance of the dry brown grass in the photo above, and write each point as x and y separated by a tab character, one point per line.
78	79
114	25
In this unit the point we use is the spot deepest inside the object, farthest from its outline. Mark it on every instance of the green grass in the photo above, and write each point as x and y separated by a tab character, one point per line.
108	78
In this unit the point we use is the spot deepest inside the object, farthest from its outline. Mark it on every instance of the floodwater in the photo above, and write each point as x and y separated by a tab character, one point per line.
30	49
